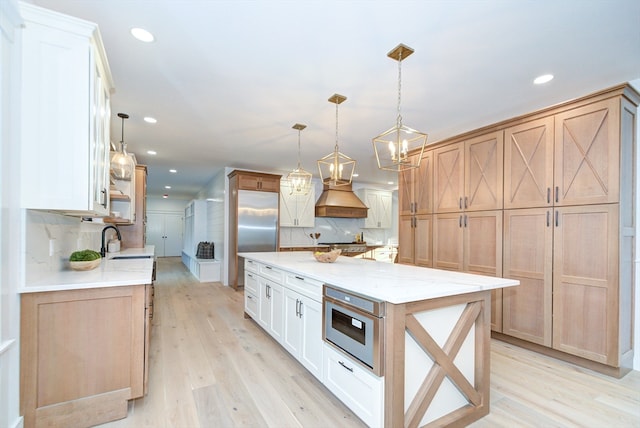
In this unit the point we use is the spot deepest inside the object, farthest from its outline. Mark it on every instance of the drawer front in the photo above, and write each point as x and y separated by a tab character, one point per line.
251	304
306	286
251	282
269	272
251	266
356	387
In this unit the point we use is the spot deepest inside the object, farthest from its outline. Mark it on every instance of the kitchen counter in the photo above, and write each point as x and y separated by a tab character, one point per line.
110	273
394	283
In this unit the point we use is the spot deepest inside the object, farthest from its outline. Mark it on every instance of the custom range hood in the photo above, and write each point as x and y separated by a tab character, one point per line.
341	202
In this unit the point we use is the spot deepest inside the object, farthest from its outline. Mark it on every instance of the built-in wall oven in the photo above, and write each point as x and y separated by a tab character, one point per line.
355	325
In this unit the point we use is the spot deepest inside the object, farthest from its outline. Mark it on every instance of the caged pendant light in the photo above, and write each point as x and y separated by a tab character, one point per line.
393	146
336	169
299	179
122	164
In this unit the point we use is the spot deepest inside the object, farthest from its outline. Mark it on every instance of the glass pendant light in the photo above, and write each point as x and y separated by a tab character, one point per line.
394	145
336	169
299	179
122	164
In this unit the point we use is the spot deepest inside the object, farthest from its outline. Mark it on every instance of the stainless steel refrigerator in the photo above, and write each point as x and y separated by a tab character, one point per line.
257	224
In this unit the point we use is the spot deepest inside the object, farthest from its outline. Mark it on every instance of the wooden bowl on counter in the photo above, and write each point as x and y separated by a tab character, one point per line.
328	257
85	265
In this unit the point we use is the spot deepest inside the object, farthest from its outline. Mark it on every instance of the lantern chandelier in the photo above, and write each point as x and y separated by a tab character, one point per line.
336	169
394	145
299	179
122	164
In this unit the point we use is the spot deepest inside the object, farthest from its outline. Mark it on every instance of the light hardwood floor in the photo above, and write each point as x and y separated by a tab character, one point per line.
210	367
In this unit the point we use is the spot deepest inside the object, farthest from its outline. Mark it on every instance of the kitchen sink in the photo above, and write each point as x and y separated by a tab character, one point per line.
130	257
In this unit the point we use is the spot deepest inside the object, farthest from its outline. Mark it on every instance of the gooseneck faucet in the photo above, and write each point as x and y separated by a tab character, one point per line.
103	250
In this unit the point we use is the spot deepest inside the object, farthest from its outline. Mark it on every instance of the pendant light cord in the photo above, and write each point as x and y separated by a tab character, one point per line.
399	119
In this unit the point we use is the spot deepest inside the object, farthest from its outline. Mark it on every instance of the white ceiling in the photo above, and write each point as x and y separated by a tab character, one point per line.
227	79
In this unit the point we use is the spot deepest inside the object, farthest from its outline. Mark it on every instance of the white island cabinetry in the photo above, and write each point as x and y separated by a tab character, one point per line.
435	364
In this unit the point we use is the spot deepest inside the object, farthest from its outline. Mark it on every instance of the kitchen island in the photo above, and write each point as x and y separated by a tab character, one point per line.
435	333
84	341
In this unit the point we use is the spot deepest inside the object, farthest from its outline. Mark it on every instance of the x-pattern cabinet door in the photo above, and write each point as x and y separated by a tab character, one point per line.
587	154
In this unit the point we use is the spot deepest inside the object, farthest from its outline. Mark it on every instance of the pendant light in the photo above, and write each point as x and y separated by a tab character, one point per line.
336	169
122	164
394	145
299	179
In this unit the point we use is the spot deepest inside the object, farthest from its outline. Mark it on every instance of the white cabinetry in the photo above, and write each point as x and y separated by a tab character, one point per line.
303	322
379	203
356	387
251	289
66	87
296	210
271	307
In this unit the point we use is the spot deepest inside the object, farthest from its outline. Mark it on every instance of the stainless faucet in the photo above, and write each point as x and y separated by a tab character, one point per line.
103	250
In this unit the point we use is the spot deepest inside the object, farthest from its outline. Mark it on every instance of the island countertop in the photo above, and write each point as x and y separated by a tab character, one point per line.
110	273
394	283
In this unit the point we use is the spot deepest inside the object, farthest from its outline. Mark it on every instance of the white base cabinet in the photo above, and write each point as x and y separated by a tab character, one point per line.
271	307
355	386
303	330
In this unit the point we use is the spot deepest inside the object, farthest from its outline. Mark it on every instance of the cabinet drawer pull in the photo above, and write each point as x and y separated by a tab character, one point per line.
299	277
268	267
345	366
249	275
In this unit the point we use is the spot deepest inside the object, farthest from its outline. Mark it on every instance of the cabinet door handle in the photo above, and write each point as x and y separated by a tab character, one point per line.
548	218
465	220
548	195
104	197
268	291
460	221
557	193
300	312
460	203
557	218
466	200
345	366
297	307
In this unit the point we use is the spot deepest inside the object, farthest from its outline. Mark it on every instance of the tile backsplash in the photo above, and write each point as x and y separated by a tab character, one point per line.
50	239
335	230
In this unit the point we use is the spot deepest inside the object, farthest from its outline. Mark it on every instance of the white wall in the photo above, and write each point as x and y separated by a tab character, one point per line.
10	218
160	204
636	339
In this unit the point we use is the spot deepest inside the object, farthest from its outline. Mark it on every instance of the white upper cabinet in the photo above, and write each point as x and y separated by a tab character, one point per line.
65	116
296	210
379	203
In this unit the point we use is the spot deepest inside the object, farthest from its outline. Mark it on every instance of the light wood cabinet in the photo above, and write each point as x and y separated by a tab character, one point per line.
83	354
248	180
380	210
415	205
469	242
569	209
296	210
528	251
528	164
468	175
65	110
133	235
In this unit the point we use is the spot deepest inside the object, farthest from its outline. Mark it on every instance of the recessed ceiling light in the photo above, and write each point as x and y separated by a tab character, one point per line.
167	187
142	35
149	119
356	175
152	152
165	196
543	79
173	171
390	182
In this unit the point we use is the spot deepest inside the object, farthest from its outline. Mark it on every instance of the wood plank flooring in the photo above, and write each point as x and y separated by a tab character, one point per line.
210	367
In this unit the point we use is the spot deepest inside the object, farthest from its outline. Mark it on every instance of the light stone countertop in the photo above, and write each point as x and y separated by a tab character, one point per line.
390	282
110	273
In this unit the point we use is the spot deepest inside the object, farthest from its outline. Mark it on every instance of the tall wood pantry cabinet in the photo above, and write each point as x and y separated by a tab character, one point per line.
244	180
561	221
